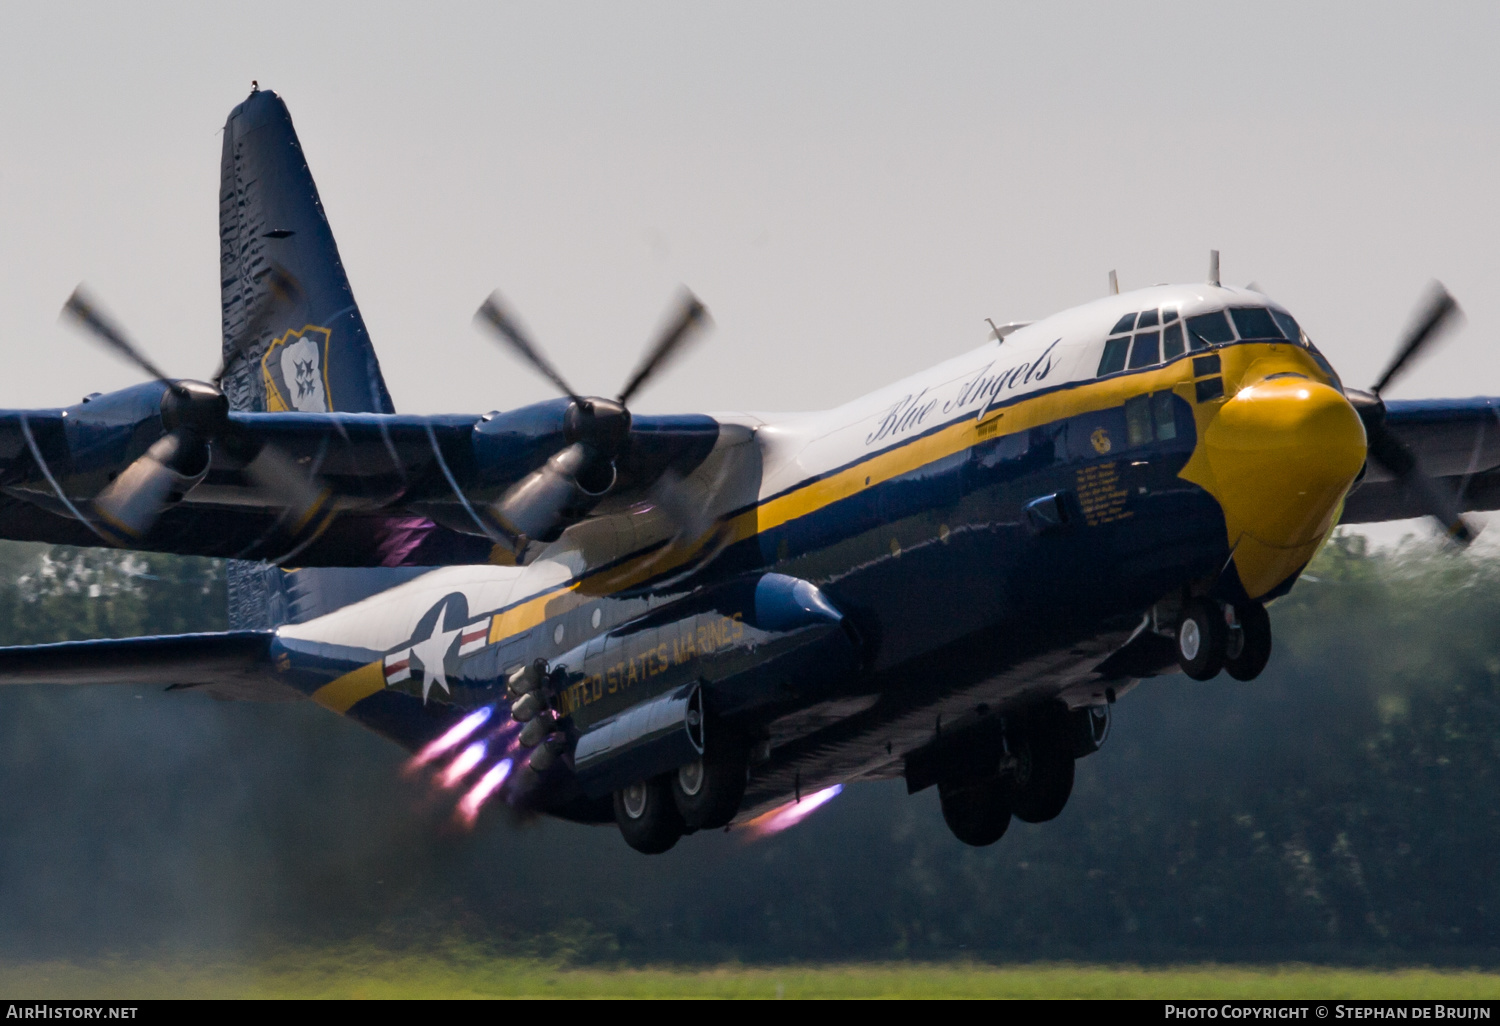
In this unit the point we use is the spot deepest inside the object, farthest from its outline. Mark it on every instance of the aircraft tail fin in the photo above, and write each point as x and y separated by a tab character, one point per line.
293	335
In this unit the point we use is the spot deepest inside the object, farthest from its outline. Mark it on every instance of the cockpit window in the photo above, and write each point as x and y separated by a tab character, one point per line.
1208	329
1148	319
1147	349
1168	314
1171	341
1123	324
1114	355
1288	326
1254	322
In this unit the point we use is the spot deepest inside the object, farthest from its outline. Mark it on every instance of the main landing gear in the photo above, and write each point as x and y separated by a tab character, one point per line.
1211	638
703	795
1031	781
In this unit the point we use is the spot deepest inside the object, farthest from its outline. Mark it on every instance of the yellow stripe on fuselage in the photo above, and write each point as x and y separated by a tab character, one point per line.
341	694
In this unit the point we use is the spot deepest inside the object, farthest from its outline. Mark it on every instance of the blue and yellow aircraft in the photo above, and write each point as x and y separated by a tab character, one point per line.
677	623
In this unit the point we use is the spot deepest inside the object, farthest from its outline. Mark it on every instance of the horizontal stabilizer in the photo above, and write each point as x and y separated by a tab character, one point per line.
230	665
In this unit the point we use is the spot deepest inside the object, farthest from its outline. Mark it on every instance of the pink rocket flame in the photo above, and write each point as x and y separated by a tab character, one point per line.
790	814
471	803
460	767
452	738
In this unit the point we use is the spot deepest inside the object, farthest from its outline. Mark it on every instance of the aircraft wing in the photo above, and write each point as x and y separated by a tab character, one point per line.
229	665
404	490
1456	442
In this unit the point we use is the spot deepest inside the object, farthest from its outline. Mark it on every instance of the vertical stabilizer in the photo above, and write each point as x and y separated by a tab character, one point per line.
308	350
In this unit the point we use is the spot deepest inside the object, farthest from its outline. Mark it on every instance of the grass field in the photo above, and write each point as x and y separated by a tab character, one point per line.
357	974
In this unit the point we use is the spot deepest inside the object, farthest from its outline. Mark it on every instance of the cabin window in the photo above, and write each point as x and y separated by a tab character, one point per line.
1147	350
1254	322
1171	342
1150	418
1114	355
1123	324
1209	329
1138	420
1165	416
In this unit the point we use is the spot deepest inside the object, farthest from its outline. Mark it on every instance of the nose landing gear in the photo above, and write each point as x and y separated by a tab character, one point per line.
1211	637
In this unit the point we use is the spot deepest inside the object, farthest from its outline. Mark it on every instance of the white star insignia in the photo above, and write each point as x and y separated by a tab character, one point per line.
433	653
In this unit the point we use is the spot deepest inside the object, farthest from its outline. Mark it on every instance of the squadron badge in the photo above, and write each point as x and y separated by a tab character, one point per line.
295	369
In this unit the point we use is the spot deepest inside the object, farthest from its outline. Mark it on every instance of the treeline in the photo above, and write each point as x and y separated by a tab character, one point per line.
1343	807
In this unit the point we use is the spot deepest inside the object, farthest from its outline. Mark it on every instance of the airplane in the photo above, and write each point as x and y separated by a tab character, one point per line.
683	623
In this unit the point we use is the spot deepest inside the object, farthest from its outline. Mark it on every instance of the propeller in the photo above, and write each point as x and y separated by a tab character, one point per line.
195	415
597	429
282	293
1437	314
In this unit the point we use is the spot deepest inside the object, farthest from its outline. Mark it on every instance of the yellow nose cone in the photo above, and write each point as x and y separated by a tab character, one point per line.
1282	452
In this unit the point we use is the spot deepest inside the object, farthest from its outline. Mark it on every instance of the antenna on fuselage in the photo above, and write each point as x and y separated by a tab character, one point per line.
1213	267
1114	283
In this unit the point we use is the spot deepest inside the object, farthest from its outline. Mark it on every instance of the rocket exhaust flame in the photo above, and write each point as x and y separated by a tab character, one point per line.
460	767
790	814
454	736
471	803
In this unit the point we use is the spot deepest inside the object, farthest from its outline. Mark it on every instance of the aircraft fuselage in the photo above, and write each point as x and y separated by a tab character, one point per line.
987	535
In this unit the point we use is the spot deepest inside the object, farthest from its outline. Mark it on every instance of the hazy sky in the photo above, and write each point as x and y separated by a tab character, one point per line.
851	187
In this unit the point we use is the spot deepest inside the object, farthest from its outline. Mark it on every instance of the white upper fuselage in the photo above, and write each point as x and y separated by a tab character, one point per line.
1062	349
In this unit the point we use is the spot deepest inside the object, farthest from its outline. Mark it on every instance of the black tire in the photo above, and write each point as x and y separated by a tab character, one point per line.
1201	638
708	792
648	817
1042	780
1254	650
977	811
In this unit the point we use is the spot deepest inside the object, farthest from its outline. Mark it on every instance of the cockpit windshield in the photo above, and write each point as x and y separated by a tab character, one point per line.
1157	337
1150	337
1255	322
1209	329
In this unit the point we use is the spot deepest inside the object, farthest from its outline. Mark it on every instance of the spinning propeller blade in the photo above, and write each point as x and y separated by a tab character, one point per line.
195	415
691	317
282	293
1434	320
82	308
1438	314
493	314
597	430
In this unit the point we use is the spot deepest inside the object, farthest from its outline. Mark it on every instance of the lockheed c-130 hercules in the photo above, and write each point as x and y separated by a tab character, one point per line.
677	623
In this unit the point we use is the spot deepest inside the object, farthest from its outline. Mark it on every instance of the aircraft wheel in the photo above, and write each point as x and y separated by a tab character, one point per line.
708	791
1249	657
1042	780
977	811
1201	639
648	817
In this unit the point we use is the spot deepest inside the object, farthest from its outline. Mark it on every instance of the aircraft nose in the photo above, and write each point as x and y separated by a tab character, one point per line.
1283	451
